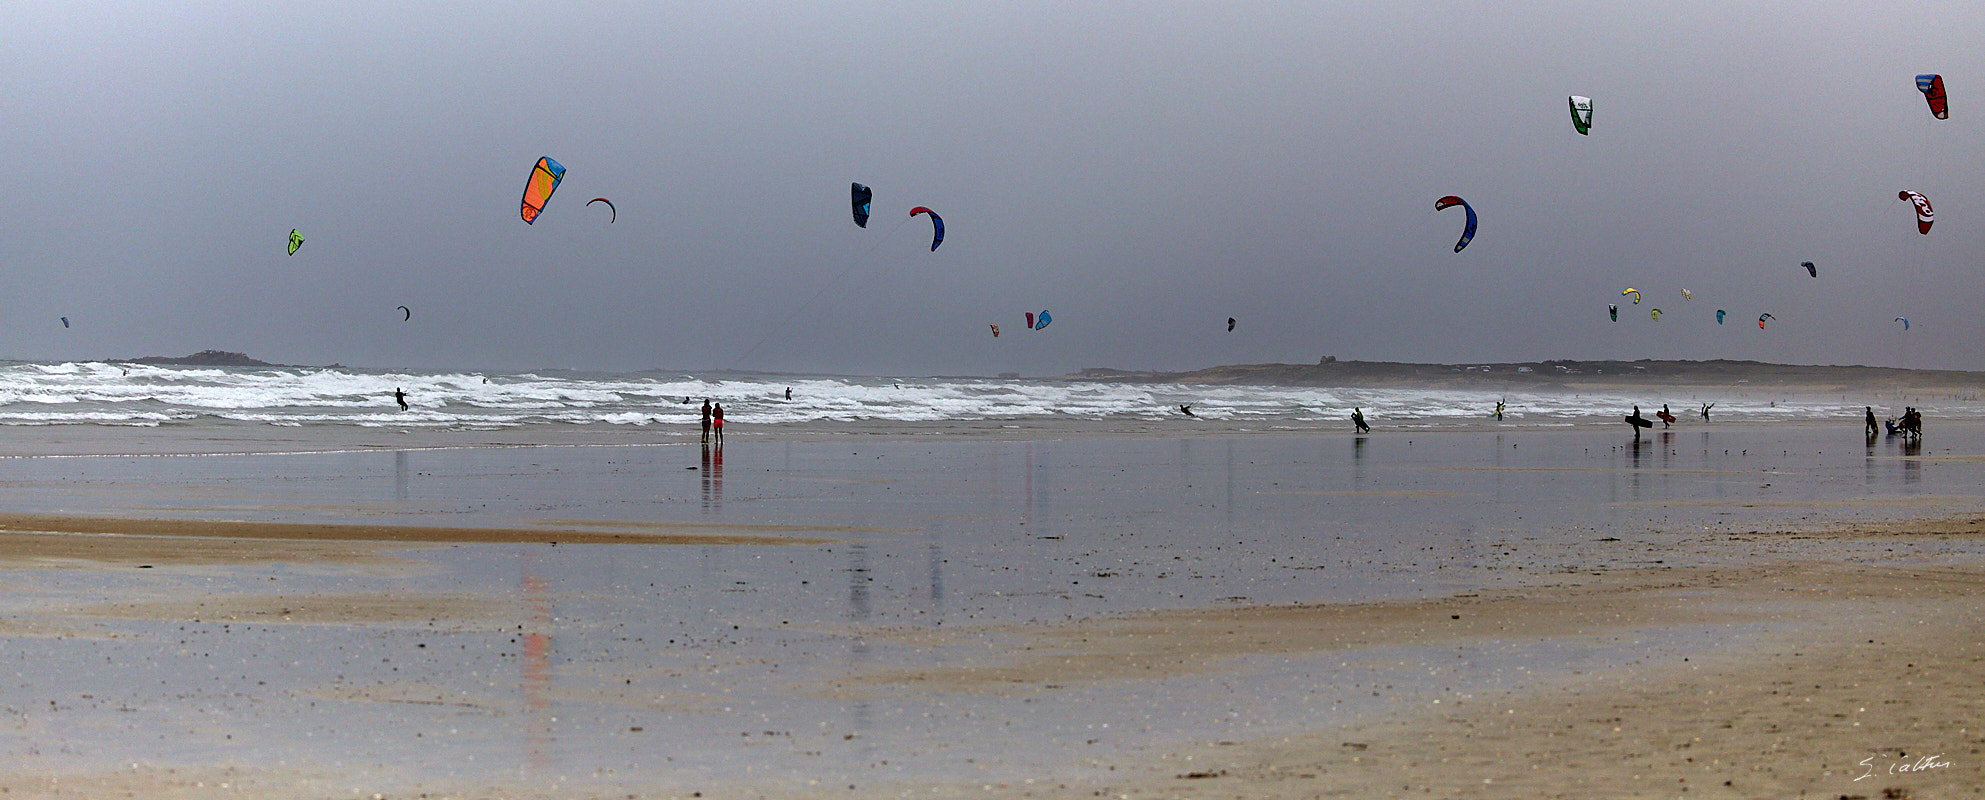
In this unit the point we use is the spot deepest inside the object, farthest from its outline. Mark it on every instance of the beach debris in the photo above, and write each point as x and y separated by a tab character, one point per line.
936	223
544	179
1467	232
1932	87
1581	115
861	196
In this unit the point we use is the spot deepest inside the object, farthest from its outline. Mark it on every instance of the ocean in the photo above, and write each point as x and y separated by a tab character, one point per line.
121	394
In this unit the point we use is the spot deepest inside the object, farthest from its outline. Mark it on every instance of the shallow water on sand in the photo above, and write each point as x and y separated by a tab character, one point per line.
673	666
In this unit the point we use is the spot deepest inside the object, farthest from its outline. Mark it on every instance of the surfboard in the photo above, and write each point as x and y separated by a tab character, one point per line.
1640	422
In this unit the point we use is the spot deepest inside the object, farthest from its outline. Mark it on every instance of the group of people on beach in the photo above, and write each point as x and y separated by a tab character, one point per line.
713	420
1909	426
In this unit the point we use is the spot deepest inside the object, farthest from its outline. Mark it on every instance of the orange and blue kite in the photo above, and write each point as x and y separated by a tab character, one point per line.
537	192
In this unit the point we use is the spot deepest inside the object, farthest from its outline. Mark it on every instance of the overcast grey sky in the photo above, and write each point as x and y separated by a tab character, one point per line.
1144	170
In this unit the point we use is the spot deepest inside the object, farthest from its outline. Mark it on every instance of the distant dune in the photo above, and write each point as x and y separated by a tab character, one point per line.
1547	374
204	358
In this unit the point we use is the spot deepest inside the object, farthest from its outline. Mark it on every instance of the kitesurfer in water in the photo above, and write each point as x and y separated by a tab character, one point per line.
1499	409
706	419
1705	411
789	393
1185	409
400	397
1358	419
717	420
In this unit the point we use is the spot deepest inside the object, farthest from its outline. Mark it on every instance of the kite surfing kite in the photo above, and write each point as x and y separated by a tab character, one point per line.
1468	232
1634	292
545	176
1904	321
1763	317
1040	321
1230	324
1932	87
1030	320
295	241
1613	311
1655	313
1687	296
1924	216
861	196
1581	114
937	226
405	313
610	209
995	327
1810	269
1719	316
65	322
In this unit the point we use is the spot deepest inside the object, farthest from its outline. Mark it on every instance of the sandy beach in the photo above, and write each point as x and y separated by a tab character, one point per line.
1730	611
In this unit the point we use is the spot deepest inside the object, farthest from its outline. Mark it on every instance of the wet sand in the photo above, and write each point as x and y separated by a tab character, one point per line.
1478	614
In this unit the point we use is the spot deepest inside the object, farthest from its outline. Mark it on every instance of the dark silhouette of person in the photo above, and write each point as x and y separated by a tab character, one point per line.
1186	409
1873	426
1667	418
1499	409
400	397
789	393
706	419
717	419
1638	422
1358	419
1705	411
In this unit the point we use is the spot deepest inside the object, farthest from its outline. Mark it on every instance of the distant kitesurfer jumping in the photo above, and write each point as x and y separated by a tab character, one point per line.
1186	409
1358	419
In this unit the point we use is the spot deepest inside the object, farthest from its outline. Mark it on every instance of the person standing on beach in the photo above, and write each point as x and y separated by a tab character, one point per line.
1358	419
706	419
717	419
400	397
1705	411
1499	409
1874	428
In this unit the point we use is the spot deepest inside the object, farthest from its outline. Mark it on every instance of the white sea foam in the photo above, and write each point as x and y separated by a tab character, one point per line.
96	393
